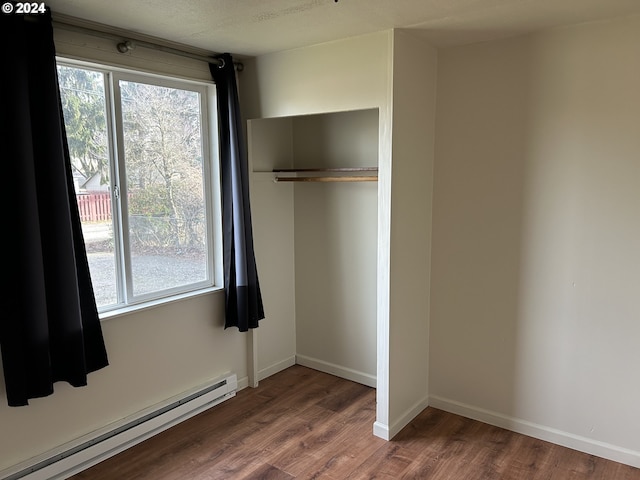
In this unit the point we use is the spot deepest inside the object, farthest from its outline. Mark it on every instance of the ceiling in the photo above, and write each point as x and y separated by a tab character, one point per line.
256	27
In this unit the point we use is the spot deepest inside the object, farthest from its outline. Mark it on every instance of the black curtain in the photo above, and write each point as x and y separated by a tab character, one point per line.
50	329
243	300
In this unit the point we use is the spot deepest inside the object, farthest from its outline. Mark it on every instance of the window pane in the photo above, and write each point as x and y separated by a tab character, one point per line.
164	173
83	103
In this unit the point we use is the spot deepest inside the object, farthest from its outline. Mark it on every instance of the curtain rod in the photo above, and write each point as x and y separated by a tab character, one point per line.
125	44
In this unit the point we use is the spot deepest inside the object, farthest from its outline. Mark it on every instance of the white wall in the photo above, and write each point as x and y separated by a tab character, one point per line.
336	246
350	74
536	266
407	337
270	146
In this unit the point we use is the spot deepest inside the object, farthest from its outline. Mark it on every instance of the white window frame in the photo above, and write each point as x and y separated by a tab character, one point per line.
127	301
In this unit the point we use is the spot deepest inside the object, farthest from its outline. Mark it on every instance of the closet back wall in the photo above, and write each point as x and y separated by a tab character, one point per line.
336	246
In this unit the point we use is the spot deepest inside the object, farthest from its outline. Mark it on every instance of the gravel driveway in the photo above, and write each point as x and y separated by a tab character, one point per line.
150	272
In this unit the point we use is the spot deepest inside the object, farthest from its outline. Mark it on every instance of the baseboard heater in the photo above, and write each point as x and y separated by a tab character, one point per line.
113	439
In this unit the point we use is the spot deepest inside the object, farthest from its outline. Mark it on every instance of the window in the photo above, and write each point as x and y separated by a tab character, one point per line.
140	155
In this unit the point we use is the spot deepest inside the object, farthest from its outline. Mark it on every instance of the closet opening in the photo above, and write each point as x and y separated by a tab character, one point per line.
316	240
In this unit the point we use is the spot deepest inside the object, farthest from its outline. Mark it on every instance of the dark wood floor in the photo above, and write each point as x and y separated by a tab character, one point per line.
303	424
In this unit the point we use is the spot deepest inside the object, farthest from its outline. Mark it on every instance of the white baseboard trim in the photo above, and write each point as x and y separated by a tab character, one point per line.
388	432
337	370
381	430
243	383
542	432
276	367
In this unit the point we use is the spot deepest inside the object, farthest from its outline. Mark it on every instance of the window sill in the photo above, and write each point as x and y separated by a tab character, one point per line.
119	312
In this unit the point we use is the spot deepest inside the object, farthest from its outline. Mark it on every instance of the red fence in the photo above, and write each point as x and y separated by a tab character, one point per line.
94	207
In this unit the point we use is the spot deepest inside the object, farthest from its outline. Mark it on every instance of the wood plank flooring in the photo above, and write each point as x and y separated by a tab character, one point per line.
304	424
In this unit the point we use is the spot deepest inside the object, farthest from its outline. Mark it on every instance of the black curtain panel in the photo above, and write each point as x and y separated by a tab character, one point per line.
243	300
49	329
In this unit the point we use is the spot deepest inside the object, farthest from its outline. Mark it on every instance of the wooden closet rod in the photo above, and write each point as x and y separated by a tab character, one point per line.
360	178
345	169
333	178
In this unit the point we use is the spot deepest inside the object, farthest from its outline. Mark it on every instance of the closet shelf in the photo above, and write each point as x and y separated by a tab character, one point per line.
347	174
